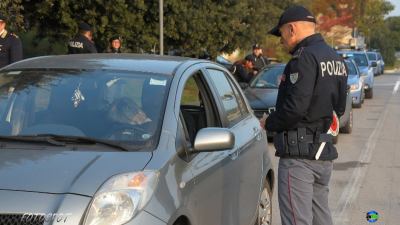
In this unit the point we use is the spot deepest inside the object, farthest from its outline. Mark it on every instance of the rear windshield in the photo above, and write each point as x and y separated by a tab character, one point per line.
371	56
110	105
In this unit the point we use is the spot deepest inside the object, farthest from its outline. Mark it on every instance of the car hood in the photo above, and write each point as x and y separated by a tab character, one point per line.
261	98
74	172
352	80
363	69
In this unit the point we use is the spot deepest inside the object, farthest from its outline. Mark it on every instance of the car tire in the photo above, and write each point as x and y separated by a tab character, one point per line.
369	93
335	139
264	211
358	105
348	128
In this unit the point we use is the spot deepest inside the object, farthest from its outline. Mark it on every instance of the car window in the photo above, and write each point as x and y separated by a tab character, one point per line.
226	95
268	78
360	59
196	107
109	105
239	97
371	56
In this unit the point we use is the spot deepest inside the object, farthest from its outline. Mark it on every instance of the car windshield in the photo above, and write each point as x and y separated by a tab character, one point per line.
371	56
360	59
268	78
351	68
116	106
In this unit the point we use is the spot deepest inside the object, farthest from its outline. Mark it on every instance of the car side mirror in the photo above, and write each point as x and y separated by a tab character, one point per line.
213	139
374	64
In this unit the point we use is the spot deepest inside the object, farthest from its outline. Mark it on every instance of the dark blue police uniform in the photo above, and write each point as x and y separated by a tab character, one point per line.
313	86
80	44
10	48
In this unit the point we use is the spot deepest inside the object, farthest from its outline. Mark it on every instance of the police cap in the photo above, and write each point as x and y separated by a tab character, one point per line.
84	26
256	46
3	18
292	14
248	58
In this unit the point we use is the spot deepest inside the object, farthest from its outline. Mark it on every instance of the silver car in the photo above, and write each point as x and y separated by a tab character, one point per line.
129	139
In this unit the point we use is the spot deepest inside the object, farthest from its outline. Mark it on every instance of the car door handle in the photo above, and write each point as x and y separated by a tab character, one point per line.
257	133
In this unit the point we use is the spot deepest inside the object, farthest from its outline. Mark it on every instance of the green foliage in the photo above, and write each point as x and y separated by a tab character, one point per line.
12	10
190	27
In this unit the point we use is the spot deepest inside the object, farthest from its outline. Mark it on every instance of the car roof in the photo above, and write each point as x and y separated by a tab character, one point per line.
131	62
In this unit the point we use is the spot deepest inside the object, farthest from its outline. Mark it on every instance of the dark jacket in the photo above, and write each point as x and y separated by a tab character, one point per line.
315	84
259	62
242	74
81	44
10	48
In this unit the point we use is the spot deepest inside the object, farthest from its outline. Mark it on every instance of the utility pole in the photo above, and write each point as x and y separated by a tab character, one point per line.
161	5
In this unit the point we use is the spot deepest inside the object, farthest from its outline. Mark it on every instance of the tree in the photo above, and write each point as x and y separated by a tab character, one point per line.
12	10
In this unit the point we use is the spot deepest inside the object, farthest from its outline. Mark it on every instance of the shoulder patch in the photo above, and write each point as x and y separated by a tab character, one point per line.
293	77
298	53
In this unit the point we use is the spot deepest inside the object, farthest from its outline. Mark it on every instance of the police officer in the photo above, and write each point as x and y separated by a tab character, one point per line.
243	70
82	42
314	85
259	61
115	45
10	45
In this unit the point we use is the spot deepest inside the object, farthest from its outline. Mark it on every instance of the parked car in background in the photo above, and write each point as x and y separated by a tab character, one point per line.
361	59
112	139
263	91
373	59
355	82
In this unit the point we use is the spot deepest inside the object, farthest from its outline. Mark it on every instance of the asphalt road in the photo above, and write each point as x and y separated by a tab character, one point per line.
366	175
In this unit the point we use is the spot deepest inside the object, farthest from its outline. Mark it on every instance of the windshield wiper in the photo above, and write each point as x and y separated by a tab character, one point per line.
62	140
83	140
38	139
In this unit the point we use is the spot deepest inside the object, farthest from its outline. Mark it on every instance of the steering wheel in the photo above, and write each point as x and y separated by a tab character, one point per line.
128	132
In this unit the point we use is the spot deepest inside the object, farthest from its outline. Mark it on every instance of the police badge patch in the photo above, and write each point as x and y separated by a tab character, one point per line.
294	77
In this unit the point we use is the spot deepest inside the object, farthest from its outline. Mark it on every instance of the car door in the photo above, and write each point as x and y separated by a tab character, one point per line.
210	170
248	154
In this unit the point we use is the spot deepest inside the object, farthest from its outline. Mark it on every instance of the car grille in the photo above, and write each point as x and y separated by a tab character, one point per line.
259	113
20	219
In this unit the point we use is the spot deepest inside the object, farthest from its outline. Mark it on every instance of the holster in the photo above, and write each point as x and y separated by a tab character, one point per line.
297	143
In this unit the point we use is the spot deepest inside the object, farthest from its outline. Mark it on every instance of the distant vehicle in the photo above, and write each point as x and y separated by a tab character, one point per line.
355	82
263	91
112	139
373	59
361	59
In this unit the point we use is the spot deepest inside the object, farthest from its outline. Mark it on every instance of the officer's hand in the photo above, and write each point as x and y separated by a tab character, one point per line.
263	119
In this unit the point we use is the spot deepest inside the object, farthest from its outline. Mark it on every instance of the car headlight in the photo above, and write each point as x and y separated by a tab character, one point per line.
121	197
354	87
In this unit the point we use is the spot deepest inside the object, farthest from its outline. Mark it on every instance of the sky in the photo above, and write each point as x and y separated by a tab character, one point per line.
396	11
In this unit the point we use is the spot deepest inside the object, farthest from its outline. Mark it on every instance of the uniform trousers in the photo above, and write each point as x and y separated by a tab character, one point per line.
303	187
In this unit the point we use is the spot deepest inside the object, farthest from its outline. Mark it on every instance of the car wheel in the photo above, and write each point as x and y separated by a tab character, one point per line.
335	139
264	215
349	125
357	105
369	93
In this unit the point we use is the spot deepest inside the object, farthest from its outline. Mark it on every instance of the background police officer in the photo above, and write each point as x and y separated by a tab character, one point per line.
82	42
259	61
306	100
10	45
115	45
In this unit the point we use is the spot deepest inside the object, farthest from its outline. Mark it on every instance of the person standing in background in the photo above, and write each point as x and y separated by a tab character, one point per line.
10	45
82	42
